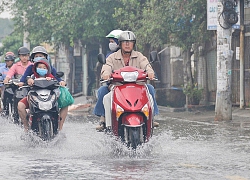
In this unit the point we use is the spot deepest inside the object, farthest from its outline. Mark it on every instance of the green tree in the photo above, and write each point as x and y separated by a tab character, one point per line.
5	5
157	22
188	28
180	23
141	18
64	21
6	27
12	43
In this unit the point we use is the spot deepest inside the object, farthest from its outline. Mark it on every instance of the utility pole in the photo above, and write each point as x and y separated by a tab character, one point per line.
242	61
223	106
84	70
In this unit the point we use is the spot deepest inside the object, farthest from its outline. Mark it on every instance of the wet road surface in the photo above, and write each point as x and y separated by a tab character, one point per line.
179	149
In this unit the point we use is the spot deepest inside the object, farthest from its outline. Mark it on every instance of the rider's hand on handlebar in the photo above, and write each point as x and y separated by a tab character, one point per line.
5	81
62	83
106	77
151	76
30	81
20	84
48	78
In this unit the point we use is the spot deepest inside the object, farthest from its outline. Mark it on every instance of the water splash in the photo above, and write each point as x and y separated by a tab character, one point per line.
32	140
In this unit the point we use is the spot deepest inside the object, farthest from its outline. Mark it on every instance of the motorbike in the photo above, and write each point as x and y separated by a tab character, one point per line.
43	112
9	92
12	95
131	106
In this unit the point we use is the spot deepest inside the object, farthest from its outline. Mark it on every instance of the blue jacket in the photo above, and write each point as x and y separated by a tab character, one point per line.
2	64
29	72
111	52
3	70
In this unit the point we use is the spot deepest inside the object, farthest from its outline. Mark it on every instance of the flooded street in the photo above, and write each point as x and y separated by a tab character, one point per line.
178	150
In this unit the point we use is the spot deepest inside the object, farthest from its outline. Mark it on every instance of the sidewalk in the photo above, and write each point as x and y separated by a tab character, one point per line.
240	118
82	104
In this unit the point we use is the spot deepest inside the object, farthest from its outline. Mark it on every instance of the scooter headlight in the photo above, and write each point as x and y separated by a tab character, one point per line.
119	111
145	110
45	106
129	76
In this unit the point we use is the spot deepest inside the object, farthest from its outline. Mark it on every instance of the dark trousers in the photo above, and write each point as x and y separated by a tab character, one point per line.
7	99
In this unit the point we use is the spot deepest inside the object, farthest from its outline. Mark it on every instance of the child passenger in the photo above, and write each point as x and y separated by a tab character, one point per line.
40	69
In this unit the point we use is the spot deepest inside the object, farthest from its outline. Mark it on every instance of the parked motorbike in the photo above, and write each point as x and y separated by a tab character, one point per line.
132	106
43	108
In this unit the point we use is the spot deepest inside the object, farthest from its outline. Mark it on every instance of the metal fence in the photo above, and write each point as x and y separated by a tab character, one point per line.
236	69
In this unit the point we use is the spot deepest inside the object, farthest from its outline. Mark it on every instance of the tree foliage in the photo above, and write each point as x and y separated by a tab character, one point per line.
12	43
155	22
5	5
6	27
189	23
144	18
64	21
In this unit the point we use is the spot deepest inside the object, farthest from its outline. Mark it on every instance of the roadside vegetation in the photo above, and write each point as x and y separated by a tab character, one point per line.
156	23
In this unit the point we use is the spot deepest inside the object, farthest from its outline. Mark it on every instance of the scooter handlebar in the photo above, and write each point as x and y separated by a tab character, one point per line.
105	80
29	86
154	79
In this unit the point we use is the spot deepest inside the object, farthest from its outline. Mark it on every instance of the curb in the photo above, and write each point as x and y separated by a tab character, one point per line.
190	108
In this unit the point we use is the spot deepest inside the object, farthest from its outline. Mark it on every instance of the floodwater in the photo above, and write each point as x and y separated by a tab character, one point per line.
179	150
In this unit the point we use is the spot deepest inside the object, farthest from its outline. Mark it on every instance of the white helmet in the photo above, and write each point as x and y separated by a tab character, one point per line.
114	34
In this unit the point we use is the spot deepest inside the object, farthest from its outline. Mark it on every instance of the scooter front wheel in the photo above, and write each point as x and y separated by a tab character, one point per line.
134	137
45	129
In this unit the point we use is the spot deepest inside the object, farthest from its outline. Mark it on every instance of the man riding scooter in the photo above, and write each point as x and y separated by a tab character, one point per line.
16	71
126	56
9	60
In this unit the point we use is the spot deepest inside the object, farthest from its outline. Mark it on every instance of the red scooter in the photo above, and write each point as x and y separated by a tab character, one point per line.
132	106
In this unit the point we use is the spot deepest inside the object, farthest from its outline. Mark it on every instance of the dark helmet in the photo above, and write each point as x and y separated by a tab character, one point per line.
38	49
9	56
23	50
127	36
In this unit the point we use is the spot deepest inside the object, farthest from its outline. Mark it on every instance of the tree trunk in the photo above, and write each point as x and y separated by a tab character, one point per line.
187	72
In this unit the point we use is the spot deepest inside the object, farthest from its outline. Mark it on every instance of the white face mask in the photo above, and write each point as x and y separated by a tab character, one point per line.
113	46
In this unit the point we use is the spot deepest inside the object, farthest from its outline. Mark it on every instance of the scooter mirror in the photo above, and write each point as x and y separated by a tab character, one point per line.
153	56
0	74
101	58
59	74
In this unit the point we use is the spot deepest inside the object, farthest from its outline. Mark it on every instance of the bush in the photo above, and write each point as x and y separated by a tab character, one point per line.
193	93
